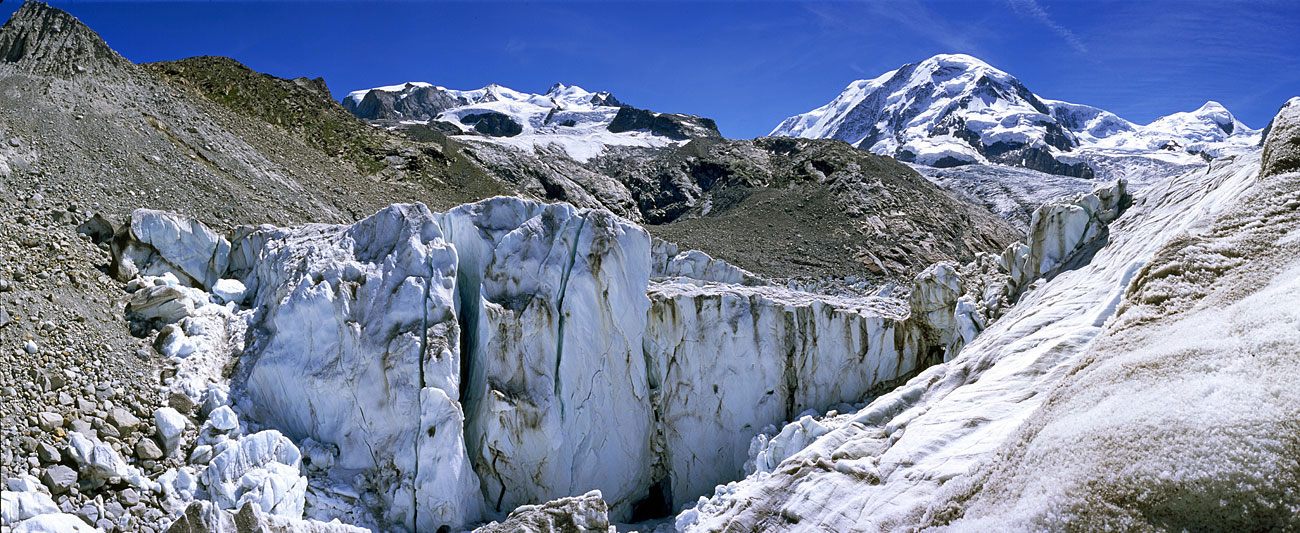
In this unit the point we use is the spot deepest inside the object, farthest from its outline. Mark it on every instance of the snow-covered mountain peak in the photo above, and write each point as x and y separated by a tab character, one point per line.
401	88
955	109
581	122
950	109
571	95
1202	123
945	67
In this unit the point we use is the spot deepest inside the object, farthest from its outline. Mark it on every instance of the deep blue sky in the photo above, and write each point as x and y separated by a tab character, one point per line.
747	65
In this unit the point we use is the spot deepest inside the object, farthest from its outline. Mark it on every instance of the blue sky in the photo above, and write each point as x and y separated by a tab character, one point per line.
746	65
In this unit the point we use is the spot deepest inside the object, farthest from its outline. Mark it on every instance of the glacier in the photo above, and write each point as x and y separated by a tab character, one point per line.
438	369
418	370
945	448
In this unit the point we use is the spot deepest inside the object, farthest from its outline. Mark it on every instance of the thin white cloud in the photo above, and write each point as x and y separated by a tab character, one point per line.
913	15
1031	9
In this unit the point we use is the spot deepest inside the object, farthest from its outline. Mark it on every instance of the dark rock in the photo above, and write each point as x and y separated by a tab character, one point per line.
445	128
98	228
48	453
59	479
123	419
1282	146
493	124
603	98
129	497
148	449
88	513
671	125
180	402
198	518
419	103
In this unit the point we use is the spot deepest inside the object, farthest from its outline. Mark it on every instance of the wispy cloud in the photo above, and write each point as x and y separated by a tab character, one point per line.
1033	11
912	15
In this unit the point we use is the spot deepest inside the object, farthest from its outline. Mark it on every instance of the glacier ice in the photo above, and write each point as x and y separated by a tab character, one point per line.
354	325
557	351
885	465
157	242
442	367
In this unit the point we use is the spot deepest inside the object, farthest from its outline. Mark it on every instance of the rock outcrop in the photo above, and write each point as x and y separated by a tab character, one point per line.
48	41
671	125
1282	144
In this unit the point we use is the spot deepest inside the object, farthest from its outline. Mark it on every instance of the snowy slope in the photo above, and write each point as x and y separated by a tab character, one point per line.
1180	138
885	466
955	109
566	116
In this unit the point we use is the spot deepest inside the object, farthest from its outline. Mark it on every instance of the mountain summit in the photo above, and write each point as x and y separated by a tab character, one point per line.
41	39
948	110
954	109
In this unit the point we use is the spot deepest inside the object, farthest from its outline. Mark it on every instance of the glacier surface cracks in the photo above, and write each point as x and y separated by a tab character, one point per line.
439	369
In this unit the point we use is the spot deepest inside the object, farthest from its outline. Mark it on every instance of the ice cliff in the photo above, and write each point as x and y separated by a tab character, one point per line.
438	369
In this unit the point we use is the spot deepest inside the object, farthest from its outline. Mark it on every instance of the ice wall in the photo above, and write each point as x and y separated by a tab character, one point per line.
435	367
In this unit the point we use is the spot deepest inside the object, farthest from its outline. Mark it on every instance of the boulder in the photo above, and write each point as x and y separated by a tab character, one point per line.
171	425
59	479
25	498
228	291
155	242
123	419
98	228
99	463
147	449
578	514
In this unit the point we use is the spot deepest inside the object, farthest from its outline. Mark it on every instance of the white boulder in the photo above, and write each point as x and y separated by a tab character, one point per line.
23	499
228	291
262	468
56	522
171	425
158	242
100	464
223	419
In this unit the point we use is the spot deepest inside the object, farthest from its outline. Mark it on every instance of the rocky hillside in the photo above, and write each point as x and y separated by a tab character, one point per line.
803	208
114	136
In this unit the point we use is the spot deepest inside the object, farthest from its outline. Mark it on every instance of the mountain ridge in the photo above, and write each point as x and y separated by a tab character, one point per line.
955	109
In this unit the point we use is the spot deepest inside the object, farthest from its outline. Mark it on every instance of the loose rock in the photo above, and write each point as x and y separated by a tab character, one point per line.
170	426
59	479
